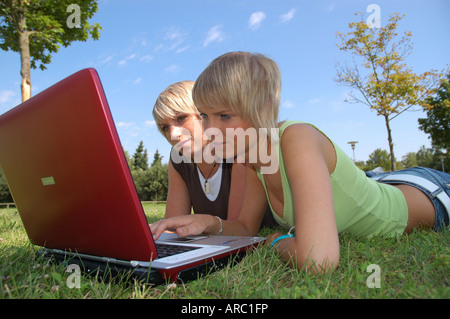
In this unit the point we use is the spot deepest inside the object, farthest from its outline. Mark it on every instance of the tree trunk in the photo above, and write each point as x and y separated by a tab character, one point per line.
391	144
25	67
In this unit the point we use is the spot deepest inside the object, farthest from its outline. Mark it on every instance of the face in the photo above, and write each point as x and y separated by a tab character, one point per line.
184	133
230	135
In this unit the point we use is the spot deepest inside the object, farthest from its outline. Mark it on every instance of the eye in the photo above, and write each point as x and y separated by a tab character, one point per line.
225	116
203	115
164	128
181	118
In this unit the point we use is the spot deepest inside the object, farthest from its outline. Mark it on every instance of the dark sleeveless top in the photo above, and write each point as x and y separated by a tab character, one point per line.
200	203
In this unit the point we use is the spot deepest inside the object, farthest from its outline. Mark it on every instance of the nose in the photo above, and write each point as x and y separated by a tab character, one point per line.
175	133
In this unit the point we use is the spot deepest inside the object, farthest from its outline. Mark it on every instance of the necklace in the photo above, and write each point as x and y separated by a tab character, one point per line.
206	179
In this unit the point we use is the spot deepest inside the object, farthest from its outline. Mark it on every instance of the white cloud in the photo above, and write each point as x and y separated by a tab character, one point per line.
173	68
134	129
6	96
288	104
215	34
146	58
128	58
315	100
137	81
174	38
256	18
182	49
125	124
285	18
106	60
173	34
129	129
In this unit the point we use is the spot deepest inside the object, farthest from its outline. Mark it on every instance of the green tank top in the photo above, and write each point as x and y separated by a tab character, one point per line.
362	206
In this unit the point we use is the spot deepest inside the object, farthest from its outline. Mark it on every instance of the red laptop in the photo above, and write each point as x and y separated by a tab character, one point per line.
67	173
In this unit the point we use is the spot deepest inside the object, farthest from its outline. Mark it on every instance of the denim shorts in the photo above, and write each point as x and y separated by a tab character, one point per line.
435	184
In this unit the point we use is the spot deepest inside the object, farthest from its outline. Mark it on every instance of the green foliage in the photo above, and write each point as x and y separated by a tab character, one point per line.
386	84
382	80
425	157
437	123
5	195
46	24
157	158
140	158
152	183
410	160
379	158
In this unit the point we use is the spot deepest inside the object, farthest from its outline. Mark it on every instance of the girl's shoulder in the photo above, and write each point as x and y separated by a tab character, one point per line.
305	139
291	125
294	128
285	124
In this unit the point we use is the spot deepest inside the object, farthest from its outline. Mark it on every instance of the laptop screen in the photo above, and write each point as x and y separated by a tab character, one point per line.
67	173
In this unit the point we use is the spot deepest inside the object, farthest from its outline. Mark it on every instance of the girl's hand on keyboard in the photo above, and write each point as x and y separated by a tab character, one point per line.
185	225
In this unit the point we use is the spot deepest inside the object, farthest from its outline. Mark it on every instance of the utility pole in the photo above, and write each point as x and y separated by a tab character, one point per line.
353	143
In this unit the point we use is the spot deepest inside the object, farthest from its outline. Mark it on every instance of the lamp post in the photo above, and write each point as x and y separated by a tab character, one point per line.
353	143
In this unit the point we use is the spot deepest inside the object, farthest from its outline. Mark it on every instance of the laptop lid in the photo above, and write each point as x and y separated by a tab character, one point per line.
65	167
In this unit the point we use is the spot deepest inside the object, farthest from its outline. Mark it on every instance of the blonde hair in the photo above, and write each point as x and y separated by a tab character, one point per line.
246	83
175	99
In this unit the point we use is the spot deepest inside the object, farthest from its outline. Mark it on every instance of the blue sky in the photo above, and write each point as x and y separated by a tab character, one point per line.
147	45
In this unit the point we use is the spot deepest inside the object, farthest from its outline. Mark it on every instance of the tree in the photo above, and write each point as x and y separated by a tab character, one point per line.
159	181
37	28
152	184
437	123
378	158
127	157
157	159
383	81
140	158
441	160
425	157
410	160
5	195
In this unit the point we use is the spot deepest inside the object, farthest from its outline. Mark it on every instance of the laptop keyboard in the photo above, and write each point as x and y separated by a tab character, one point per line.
170	250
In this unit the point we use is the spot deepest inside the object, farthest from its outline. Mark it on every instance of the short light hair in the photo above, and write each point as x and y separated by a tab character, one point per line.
175	99
246	83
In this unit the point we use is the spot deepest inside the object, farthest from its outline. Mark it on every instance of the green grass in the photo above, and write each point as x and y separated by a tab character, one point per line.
413	266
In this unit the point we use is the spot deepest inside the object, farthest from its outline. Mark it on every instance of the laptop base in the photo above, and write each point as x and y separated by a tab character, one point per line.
111	271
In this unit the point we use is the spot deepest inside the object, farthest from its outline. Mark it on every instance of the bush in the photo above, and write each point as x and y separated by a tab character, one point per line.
152	184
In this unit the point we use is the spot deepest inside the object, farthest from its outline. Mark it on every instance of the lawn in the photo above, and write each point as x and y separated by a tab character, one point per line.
413	266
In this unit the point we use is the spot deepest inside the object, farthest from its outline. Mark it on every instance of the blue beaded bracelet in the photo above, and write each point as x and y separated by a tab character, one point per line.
280	238
289	235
